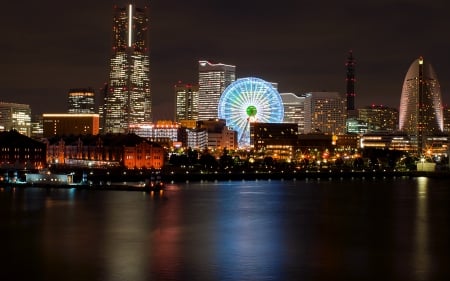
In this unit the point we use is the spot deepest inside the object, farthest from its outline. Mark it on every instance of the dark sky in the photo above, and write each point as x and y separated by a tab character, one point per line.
50	46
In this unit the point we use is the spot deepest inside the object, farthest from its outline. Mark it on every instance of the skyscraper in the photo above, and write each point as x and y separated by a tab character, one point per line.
421	112
294	109
15	116
81	101
186	100
128	100
212	80
325	113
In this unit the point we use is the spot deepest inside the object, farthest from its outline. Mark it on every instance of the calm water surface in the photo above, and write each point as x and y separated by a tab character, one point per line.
392	229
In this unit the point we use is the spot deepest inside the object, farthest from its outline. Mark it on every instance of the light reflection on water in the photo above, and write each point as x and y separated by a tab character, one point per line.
394	229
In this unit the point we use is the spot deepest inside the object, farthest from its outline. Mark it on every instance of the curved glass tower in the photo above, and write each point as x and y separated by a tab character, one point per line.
421	112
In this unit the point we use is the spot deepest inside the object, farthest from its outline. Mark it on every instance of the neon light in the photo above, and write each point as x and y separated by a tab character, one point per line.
130	22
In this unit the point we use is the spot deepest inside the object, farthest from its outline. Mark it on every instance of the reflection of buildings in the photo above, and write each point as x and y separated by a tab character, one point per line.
421	112
81	101
15	116
186	101
212	80
128	100
70	124
325	112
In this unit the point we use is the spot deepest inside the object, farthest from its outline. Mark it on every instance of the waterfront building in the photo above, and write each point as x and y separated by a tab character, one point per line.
277	140
212	80
197	139
421	113
15	116
356	126
446	112
17	151
219	135
81	101
294	110
128	100
70	124
325	112
186	101
37	126
102	151
379	117
162	132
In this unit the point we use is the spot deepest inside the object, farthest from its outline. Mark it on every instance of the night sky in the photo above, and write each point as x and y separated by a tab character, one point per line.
50	46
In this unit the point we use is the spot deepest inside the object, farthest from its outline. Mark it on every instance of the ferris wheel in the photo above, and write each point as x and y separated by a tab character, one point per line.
249	100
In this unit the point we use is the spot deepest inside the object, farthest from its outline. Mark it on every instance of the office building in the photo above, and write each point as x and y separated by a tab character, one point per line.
212	80
325	112
277	140
421	112
70	124
128	100
186	101
15	116
294	110
81	101
379	117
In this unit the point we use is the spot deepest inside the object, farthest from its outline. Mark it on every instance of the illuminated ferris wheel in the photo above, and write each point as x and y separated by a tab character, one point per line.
250	100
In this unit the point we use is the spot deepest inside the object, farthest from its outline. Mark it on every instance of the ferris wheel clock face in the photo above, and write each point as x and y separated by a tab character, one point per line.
250	100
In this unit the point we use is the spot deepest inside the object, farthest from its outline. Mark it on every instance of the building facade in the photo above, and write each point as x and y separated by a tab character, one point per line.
15	116
81	101
379	117
18	151
421	108
294	110
70	124
110	150
212	80
128	100
277	140
186	102
325	112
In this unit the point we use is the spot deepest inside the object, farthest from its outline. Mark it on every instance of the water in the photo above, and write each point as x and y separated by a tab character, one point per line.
391	229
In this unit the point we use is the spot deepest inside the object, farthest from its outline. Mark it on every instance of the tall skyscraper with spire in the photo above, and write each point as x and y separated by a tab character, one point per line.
212	80
128	100
421	112
351	112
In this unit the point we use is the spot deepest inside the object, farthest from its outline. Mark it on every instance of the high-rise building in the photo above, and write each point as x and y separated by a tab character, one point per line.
81	101
212	80
294	110
128	100
186	100
351	112
15	116
325	113
421	111
379	117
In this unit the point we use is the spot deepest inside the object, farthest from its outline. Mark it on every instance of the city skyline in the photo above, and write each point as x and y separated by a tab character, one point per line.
301	46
